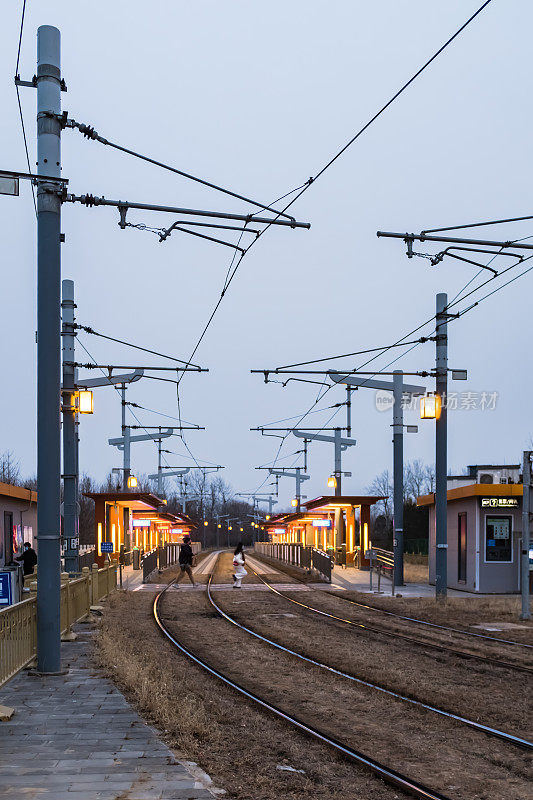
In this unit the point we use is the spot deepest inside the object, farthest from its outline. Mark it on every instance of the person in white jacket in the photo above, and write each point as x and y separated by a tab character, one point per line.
238	563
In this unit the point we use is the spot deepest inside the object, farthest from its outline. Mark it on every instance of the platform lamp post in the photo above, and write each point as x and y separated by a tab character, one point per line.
526	540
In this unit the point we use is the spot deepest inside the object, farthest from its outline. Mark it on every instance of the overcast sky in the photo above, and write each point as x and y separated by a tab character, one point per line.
257	98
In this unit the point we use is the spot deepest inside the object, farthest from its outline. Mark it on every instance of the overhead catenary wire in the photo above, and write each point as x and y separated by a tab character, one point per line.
91	331
354	138
17	76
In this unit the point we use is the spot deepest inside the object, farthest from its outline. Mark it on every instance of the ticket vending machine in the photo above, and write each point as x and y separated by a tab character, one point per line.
10	585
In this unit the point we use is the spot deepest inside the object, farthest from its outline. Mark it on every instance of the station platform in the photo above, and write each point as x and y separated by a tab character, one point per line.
354	580
76	737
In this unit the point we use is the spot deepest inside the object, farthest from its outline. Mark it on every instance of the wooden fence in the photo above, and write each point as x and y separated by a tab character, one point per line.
18	623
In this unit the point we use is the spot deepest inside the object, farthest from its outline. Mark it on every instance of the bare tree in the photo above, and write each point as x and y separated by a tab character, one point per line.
9	468
382	486
415	480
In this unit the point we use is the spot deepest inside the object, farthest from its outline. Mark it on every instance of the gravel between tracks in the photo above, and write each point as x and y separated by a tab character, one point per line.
238	744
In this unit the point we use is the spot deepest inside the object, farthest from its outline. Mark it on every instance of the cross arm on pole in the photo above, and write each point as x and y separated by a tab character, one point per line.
369	383
317	437
112	380
90	200
145	437
422	237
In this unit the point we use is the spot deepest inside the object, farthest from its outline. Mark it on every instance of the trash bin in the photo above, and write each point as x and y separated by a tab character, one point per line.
136	558
340	556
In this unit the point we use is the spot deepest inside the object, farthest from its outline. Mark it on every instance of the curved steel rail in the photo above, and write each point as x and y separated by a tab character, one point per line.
495	639
387	774
393	634
507	737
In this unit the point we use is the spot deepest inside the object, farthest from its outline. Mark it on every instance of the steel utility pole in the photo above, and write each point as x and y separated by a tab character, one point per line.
298	477
399	389
441	446
48	349
126	460
340	444
70	435
526	509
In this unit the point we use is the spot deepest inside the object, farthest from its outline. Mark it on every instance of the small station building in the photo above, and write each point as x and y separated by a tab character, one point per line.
134	520
484	530
330	522
18	520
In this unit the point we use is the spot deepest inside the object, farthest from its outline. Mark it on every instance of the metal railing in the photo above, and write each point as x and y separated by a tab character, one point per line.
18	623
149	564
297	555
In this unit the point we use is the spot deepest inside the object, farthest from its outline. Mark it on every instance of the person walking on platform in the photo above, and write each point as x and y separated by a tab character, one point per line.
238	563
28	558
185	560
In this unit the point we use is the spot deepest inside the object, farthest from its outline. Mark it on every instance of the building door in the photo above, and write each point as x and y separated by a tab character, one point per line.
461	547
8	538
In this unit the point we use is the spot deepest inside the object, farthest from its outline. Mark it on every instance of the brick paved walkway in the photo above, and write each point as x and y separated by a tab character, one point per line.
75	737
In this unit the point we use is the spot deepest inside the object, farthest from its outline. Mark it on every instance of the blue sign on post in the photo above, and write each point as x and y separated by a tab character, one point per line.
106	547
6	597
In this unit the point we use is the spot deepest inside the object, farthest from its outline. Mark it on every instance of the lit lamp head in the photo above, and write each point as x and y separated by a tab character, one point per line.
430	406
294	502
267	517
206	522
219	525
332	482
132	482
85	402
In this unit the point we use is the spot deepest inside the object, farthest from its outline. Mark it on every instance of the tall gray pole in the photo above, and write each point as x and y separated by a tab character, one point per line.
48	350
159	470
126	465
397	440
338	462
70	434
441	455
298	490
526	508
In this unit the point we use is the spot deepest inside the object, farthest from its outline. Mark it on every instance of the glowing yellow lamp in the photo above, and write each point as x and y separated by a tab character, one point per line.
206	522
132	482
294	503
85	402
332	482
267	517
430	406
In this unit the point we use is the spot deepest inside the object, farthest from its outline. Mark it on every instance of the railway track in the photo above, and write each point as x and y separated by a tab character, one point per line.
507	737
486	637
397	635
387	774
415	620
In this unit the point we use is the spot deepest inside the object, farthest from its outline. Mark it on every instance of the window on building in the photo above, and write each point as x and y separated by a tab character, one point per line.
498	539
461	547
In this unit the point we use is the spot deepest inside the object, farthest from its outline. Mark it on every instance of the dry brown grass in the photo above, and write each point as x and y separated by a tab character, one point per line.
239	745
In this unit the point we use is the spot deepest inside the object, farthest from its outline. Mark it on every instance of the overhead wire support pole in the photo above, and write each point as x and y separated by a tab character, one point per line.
441	450
68	407
48	351
526	541
90	133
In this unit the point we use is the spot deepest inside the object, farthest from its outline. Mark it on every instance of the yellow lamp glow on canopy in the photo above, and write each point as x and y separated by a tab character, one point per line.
430	406
132	482
85	402
332	482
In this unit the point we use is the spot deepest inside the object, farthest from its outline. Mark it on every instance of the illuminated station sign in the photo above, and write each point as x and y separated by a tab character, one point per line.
321	523
499	502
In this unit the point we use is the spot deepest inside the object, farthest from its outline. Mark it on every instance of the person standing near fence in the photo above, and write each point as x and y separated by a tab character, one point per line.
238	563
185	560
